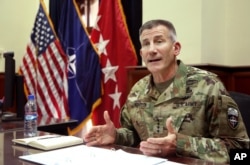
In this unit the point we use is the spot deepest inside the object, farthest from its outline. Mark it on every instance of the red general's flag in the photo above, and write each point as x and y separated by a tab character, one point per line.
44	67
111	37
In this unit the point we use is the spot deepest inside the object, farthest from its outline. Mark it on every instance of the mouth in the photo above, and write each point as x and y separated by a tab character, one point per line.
154	60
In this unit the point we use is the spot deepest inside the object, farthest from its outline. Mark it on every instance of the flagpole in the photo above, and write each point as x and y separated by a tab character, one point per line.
88	12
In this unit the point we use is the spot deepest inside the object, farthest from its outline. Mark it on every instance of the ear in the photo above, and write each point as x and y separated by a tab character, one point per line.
140	52
177	48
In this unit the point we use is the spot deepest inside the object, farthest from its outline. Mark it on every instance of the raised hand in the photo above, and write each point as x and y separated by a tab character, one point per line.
102	134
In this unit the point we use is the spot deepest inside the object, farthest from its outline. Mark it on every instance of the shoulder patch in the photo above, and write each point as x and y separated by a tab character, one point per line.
233	117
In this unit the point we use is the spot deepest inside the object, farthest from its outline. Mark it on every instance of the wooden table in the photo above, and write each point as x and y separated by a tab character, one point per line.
9	152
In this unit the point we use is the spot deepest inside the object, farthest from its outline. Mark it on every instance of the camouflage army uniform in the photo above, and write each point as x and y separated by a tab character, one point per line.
207	121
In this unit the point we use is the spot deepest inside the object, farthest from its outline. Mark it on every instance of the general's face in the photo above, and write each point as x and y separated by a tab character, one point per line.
158	50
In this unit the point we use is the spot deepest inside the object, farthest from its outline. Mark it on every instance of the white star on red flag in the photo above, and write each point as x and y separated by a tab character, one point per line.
109	72
116	97
96	27
101	45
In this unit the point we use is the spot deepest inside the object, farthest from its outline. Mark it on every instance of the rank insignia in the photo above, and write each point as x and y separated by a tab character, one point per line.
232	117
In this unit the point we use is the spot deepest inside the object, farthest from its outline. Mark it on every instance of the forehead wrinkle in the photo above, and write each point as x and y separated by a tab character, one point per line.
159	34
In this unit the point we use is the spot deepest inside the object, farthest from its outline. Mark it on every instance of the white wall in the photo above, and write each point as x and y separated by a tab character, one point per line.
237	32
183	14
16	21
211	31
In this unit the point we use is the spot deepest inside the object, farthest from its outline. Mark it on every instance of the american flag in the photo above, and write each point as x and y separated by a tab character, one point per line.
44	67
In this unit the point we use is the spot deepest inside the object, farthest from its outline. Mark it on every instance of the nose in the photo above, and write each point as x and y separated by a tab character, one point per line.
152	47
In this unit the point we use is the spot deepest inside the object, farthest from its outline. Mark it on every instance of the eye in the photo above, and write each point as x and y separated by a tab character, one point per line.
145	44
159	41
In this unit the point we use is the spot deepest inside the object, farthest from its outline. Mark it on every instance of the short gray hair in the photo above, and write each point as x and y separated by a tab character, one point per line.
153	23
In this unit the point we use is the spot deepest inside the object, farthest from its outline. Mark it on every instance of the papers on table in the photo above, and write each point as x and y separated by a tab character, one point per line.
93	155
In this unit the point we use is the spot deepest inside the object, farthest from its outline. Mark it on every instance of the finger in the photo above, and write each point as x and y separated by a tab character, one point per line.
151	145
106	117
88	137
91	143
91	132
156	140
169	126
143	143
149	149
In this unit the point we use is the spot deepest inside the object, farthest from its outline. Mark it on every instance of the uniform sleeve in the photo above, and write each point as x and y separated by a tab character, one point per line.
226	130
126	135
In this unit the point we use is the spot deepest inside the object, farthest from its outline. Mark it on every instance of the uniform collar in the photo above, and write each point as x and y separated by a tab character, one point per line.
178	86
179	83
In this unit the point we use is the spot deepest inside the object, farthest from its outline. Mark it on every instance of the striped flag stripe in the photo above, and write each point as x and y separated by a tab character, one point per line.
48	81
29	61
42	101
60	76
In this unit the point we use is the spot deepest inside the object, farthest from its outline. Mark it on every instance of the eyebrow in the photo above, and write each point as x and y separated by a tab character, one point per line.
155	37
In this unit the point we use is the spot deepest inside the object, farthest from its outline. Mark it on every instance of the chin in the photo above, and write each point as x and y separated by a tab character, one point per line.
154	69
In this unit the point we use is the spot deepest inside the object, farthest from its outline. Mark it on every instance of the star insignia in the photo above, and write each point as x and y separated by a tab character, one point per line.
101	45
109	72
96	27
116	97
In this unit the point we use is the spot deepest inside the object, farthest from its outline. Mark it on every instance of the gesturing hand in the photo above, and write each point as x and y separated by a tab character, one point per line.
102	134
161	146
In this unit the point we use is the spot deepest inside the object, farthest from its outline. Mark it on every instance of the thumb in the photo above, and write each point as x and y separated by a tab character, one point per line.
169	126
106	117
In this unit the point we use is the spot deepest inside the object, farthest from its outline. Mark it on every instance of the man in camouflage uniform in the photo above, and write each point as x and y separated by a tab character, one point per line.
177	109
